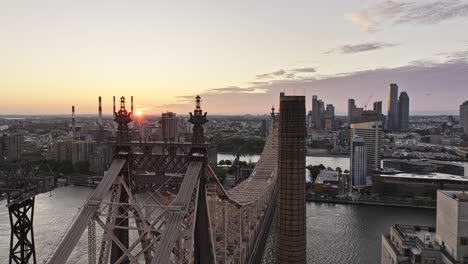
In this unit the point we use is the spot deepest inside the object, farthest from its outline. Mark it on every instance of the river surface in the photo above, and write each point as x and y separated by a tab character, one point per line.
333	162
335	233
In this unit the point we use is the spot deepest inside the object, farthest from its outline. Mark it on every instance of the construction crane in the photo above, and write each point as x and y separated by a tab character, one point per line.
368	101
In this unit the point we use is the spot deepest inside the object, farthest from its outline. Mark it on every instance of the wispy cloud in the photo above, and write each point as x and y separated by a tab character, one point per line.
397	12
305	70
418	78
258	83
362	47
271	74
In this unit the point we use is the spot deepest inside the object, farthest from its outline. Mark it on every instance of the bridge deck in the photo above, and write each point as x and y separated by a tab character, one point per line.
263	175
72	237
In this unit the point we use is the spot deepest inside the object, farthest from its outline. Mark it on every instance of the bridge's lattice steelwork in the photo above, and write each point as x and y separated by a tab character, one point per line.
159	203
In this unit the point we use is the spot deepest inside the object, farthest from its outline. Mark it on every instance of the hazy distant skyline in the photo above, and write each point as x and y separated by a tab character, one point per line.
237	55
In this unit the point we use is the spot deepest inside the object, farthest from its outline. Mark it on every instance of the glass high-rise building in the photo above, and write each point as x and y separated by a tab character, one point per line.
358	162
372	134
403	111
393	120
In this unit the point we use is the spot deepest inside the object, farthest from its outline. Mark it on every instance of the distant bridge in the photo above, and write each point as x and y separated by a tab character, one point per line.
168	206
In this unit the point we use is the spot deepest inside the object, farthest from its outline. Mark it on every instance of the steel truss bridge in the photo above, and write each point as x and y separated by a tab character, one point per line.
159	203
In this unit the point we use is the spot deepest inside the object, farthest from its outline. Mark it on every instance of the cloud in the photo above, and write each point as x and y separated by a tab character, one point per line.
396	12
271	74
304	70
258	83
351	49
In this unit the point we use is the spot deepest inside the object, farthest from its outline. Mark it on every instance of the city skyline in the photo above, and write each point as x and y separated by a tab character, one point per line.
165	55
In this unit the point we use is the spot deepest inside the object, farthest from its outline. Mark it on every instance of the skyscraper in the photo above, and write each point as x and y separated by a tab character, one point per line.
358	162
378	107
464	117
393	122
372	134
351	107
291	215
403	111
11	146
170	126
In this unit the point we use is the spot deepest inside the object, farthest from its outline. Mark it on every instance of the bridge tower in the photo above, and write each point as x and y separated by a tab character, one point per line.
291	214
122	150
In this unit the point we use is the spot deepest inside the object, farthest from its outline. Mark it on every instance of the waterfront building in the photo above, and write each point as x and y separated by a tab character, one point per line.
422	166
372	134
327	181
291	213
393	121
169	126
417	186
447	243
358	162
11	146
403	111
464	117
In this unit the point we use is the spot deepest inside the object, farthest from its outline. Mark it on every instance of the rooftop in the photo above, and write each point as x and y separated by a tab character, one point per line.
425	234
429	176
457	195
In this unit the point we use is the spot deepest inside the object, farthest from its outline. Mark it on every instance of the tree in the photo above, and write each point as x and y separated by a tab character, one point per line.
228	162
338	169
221	163
82	167
65	167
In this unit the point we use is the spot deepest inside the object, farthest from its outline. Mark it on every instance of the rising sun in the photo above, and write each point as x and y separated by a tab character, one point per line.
138	113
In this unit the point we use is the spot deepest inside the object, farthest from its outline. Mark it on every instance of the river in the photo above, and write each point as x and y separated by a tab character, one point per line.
336	233
333	162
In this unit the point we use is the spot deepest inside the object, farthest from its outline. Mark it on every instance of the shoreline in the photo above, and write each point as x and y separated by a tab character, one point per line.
371	203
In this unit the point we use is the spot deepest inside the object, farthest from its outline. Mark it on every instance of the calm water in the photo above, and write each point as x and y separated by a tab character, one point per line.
336	233
345	234
332	162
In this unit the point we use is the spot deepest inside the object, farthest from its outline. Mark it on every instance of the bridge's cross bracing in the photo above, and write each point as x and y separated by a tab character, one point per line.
140	213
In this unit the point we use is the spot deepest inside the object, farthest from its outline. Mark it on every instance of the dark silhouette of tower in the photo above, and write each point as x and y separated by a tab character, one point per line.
393	121
198	119
403	111
291	215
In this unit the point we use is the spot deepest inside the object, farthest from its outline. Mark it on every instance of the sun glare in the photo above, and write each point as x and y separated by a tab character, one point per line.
138	113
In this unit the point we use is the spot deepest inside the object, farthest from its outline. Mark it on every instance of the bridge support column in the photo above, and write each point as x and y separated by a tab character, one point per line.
22	248
291	215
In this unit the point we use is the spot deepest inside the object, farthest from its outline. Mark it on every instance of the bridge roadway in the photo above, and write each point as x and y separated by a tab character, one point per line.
198	223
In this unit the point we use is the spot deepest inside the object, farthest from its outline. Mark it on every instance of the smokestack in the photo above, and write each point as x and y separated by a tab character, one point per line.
100	111
73	121
113	112
131	100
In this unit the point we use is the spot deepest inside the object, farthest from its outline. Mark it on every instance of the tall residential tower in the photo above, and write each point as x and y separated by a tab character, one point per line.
393	121
403	111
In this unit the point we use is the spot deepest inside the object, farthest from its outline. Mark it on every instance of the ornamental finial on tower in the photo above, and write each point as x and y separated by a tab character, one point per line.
197	118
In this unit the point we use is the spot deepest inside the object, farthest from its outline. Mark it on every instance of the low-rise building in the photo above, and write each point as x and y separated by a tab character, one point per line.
327	181
447	243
